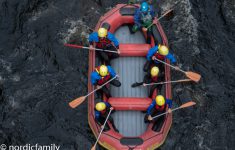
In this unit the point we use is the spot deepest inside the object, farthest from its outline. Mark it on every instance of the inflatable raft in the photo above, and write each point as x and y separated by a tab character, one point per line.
129	103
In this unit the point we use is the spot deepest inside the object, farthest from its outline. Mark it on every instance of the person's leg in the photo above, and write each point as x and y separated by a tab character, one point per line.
149	33
106	91
155	38
161	68
113	55
134	29
113	124
152	88
116	83
100	94
158	122
104	57
101	122
146	66
146	119
159	88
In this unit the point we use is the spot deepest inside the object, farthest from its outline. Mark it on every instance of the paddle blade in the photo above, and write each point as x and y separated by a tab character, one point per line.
193	76
93	147
77	101
189	104
170	14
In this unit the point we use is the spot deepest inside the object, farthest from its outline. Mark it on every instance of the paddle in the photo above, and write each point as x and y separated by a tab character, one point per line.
93	147
177	81
188	104
169	11
78	101
191	75
84	47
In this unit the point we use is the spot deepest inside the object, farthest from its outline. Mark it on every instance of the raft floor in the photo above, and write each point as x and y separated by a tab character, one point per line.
130	70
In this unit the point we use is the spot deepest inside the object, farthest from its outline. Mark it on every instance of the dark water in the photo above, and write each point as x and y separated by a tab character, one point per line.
39	76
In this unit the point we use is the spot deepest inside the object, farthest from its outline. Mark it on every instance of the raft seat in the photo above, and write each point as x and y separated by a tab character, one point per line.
134	50
139	104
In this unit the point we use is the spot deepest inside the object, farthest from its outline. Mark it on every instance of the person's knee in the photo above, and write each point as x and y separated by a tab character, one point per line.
116	83
135	28
146	66
106	92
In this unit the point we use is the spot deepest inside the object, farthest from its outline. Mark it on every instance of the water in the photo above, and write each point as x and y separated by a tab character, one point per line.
39	76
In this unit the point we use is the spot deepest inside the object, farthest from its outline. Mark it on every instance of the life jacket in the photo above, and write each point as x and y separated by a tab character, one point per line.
154	79
103	79
146	19
103	112
159	56
103	42
160	108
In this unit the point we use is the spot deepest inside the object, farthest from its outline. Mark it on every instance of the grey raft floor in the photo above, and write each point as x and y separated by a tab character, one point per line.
130	70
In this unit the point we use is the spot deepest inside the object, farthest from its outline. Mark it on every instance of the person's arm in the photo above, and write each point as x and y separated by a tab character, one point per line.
151	107
112	38
151	52
111	71
97	117
137	18
94	78
169	102
93	37
171	58
152	12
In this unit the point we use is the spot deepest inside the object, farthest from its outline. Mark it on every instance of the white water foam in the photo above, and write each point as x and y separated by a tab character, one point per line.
75	26
185	25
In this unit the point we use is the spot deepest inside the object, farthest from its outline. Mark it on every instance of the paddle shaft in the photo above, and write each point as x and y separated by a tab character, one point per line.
84	47
170	65
101	86
161	17
167	112
183	80
102	128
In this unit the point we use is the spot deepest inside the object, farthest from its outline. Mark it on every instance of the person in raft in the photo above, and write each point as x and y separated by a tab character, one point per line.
153	76
143	18
101	112
101	75
160	52
157	107
107	41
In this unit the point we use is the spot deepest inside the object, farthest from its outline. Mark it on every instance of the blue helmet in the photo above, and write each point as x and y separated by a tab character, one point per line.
144	7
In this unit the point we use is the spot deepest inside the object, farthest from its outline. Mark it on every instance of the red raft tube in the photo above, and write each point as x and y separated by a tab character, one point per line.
129	102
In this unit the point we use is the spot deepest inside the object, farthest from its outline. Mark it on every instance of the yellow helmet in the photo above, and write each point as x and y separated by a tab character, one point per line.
103	70
102	32
163	50
154	71
160	100
100	106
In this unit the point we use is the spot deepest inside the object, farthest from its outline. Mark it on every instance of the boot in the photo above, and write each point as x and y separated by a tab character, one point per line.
146	66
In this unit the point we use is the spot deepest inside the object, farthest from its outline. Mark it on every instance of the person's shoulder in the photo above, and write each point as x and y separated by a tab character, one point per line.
137	10
110	34
109	68
94	73
94	34
154	48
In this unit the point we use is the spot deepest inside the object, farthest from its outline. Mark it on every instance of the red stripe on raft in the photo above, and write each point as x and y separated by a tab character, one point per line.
73	45
123	103
134	50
